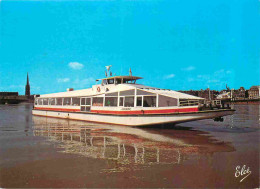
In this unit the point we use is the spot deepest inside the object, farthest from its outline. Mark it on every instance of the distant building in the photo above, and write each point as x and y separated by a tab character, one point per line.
253	92
239	94
27	87
207	94
8	93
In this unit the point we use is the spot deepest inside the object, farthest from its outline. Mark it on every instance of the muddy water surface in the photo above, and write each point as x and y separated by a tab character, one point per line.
49	152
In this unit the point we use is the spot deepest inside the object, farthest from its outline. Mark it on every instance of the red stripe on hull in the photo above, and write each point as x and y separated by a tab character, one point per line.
58	109
165	111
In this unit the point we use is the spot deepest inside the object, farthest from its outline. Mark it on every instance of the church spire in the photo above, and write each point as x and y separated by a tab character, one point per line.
27	79
27	86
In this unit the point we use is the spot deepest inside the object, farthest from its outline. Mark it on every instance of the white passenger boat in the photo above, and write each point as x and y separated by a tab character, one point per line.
120	100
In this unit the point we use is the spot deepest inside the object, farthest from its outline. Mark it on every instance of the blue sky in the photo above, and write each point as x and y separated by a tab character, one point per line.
174	44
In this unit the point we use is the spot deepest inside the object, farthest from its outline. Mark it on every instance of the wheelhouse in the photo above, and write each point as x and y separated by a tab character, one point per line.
119	80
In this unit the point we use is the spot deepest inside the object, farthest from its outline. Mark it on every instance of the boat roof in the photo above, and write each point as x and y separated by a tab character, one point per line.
170	93
122	77
123	87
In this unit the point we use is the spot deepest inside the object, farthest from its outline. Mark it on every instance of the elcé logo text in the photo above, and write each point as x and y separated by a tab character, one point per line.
242	172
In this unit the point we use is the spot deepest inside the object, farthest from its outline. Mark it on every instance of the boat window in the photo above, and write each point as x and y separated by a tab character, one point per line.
129	101
121	101
111	101
139	101
51	101
85	108
104	82
36	101
110	81
66	101
75	101
83	101
40	101
88	101
127	93
45	101
149	101
97	101
165	101
85	104
59	101
129	80
188	102
118	81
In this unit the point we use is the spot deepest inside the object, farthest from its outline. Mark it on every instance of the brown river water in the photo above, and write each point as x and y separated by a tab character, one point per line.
40	152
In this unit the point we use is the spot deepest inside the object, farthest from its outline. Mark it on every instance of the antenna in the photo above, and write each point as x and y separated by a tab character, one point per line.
108	68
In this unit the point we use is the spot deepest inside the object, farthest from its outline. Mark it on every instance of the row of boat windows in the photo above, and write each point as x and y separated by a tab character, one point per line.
127	101
123	101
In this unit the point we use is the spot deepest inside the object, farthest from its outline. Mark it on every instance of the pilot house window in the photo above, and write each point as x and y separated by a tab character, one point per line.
110	81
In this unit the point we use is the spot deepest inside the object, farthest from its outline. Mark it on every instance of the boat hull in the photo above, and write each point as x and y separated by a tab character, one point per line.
136	120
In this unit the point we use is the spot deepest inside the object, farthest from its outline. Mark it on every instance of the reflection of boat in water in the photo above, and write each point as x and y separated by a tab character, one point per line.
119	100
127	145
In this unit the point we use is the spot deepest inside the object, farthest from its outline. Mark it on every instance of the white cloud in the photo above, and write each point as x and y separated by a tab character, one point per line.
76	65
63	80
169	76
190	68
218	79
